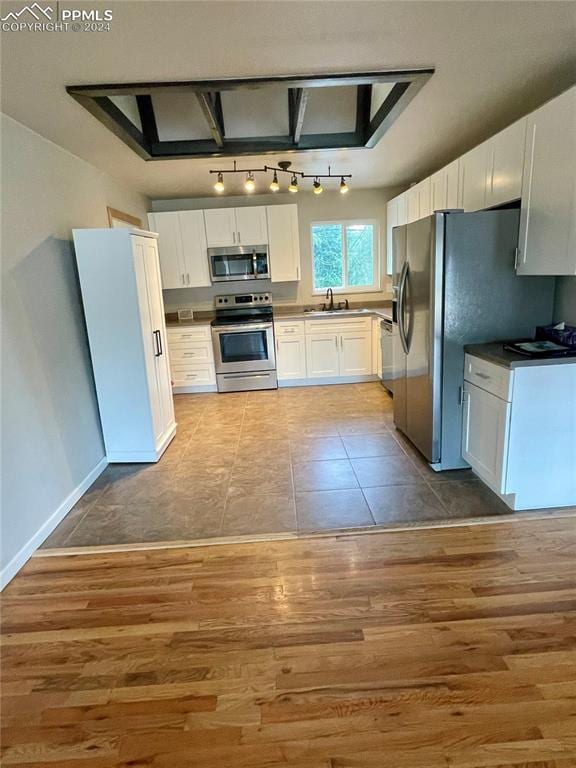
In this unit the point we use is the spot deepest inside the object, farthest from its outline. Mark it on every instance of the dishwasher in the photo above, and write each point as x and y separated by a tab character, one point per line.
386	347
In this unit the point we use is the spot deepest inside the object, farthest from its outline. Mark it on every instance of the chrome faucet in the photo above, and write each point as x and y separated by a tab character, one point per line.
330	295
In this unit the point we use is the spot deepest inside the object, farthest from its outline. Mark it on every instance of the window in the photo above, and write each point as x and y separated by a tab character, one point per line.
344	256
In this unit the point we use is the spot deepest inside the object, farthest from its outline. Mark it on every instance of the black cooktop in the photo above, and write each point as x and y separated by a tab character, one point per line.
243	316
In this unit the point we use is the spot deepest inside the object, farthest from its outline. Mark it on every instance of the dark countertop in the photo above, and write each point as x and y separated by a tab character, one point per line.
495	353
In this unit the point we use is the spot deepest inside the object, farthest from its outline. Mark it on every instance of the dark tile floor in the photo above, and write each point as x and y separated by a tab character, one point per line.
300	459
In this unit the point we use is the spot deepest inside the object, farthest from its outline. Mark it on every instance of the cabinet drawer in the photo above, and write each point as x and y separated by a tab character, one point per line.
199	375
339	325
294	328
190	333
194	352
488	376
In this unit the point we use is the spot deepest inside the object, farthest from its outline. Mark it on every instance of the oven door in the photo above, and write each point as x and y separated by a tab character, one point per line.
244	347
242	263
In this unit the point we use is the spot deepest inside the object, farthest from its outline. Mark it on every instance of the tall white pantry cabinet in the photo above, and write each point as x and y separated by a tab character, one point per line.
119	273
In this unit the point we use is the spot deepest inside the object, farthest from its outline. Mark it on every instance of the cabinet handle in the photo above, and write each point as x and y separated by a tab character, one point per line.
158	340
233	237
516	255
182	278
482	375
239	237
188	278
336	340
189	354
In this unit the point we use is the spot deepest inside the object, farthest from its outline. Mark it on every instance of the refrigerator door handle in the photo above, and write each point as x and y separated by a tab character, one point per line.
401	298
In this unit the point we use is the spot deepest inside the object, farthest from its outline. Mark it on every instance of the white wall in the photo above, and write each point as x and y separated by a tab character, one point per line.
51	437
565	302
330	205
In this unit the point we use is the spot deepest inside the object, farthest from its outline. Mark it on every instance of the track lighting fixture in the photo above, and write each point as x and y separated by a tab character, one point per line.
274	186
283	167
250	184
219	186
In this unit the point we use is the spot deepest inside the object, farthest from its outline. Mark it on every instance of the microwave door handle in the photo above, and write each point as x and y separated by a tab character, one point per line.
254	264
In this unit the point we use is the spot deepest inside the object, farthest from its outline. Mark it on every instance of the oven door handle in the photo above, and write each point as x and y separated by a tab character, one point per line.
251	327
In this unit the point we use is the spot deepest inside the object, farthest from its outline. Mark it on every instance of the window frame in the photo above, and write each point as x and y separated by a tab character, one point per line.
343	223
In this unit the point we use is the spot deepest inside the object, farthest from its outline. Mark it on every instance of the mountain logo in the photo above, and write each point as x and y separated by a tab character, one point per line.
35	10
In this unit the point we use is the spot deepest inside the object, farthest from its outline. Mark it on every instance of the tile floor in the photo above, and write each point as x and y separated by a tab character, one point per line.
291	460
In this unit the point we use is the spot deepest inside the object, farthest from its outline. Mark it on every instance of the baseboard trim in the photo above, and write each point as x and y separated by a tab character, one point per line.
20	558
327	380
190	390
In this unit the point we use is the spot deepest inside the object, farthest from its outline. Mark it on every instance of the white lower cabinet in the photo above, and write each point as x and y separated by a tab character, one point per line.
355	353
484	436
519	431
291	357
191	359
322	355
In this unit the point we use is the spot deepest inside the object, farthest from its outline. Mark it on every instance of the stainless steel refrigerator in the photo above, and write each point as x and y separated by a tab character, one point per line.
455	284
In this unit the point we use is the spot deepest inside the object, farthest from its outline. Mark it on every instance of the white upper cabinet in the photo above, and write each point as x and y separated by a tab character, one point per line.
236	226
439	190
505	163
251	226
391	222
424	198
195	257
170	247
401	209
418	201
182	248
284	242
473	173
452	179
547	242
413	204
220	227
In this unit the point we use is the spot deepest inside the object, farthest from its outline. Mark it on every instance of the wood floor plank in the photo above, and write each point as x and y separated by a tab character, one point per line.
438	648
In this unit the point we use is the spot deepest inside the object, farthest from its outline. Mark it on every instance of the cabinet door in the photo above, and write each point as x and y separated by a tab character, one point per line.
485	435
220	227
424	199
472	187
413	204
251	226
291	357
355	354
195	257
547	241
170	248
322	355
506	163
402	209
452	178
391	222
438	190
284	242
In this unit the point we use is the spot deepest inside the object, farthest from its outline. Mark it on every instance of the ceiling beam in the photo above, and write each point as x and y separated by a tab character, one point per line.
297	101
116	121
208	107
392	106
363	104
148	119
212	86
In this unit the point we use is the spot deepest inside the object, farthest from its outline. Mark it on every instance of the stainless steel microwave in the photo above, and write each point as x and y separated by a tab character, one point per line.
239	262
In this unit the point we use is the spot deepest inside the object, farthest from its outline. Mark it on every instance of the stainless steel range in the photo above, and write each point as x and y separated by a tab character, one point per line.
243	339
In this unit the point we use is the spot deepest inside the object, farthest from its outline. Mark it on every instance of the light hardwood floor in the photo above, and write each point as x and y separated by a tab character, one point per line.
440	648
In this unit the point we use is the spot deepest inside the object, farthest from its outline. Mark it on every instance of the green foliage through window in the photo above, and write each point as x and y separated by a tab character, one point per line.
343	255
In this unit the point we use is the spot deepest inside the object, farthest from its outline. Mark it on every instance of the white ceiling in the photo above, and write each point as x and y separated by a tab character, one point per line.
495	61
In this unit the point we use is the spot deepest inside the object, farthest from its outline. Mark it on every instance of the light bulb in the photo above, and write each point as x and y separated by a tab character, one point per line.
219	186
274	186
317	187
293	187
250	184
344	188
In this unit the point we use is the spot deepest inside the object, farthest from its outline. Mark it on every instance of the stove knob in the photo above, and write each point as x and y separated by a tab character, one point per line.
225	301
